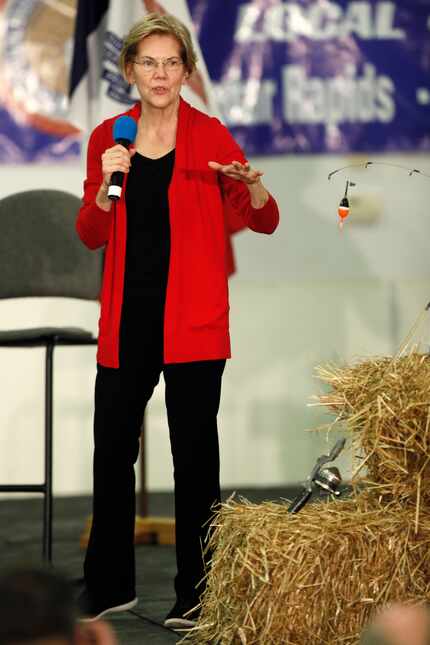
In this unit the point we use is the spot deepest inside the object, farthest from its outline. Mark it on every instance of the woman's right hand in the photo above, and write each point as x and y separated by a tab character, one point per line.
114	159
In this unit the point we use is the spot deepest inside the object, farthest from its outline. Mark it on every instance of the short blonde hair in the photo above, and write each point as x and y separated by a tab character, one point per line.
156	23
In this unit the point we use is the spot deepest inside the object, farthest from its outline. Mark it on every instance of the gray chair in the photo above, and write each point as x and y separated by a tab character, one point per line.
41	255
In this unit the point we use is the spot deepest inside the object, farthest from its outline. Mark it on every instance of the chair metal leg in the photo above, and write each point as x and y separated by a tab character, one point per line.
47	500
59	337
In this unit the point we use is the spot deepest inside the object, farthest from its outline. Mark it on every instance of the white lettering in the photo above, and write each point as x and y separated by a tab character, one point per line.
385	108
293	98
365	95
315	100
246	102
330	101
324	21
385	13
246	28
358	20
285	22
339	98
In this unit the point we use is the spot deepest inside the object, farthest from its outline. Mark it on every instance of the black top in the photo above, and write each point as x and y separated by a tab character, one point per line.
147	257
148	229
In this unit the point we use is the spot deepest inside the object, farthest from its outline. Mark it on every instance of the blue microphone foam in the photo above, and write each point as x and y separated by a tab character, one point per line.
124	127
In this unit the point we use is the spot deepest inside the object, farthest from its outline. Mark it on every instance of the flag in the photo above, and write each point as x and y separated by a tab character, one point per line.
34	60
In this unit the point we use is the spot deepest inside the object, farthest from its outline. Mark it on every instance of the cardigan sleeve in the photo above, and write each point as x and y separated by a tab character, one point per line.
261	220
93	224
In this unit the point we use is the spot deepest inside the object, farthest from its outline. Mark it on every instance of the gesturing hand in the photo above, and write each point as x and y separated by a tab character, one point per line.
236	170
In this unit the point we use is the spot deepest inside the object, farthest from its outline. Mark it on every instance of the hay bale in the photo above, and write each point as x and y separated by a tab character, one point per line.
312	578
317	577
384	404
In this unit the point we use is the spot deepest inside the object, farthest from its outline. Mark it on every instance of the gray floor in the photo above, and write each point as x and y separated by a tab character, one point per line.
20	541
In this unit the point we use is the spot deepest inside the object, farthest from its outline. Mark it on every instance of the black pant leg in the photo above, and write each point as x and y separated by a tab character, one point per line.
193	392
120	399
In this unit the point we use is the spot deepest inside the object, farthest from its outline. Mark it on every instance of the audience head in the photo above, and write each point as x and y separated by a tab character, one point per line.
37	607
399	625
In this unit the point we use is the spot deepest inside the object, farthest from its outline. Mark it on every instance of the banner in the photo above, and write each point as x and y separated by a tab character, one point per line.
318	76
296	76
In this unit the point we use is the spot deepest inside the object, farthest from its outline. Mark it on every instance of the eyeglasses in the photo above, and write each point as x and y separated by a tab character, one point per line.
149	65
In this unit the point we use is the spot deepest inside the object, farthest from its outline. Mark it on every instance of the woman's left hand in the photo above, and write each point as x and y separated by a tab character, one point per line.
246	174
236	170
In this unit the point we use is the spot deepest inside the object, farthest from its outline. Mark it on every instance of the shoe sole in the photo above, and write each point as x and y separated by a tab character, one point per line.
179	623
110	610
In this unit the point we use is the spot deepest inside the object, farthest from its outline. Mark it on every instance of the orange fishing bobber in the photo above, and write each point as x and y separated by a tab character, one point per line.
343	208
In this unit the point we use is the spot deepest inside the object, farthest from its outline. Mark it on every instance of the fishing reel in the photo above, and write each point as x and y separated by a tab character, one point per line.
327	479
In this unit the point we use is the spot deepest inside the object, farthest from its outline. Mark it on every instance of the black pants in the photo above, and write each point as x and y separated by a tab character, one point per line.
193	393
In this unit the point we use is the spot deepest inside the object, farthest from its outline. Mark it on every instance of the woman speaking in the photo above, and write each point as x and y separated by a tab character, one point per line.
164	306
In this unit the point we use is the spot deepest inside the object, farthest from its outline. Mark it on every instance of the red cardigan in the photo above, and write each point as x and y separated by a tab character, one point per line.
196	324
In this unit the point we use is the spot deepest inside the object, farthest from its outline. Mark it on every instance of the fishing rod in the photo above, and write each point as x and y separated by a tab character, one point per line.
344	206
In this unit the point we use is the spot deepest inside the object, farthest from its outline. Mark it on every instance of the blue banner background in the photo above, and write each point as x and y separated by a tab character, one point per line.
315	77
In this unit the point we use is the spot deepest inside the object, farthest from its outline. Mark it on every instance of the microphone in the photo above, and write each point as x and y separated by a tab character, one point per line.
124	133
